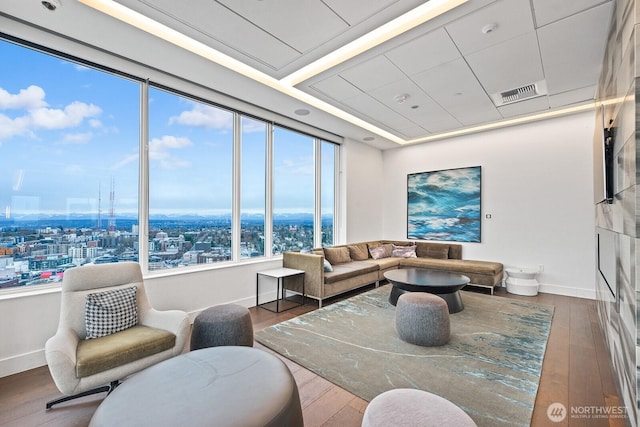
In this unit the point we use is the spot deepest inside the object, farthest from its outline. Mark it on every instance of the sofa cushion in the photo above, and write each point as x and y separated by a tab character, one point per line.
358	252
404	251
328	268
459	266
101	354
337	255
388	262
349	270
432	250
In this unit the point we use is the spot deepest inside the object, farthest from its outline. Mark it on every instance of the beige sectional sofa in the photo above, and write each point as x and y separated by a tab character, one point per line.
354	266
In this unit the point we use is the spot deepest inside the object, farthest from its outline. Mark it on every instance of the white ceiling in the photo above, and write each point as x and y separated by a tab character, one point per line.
448	68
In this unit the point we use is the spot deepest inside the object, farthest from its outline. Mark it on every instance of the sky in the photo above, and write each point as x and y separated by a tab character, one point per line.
69	136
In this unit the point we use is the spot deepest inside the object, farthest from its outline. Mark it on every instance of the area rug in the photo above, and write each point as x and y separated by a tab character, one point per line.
490	367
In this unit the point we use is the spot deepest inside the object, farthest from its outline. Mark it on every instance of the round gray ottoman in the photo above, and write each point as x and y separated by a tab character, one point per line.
413	408
227	324
422	319
218	386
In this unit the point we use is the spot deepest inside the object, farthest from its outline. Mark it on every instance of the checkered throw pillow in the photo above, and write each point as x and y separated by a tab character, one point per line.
110	311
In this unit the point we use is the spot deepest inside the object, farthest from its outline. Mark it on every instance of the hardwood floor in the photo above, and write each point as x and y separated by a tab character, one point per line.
576	372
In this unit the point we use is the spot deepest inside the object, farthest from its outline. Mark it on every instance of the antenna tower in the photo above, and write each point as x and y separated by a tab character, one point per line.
112	197
99	207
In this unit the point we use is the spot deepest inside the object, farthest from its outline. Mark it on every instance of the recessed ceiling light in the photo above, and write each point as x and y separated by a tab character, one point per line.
302	112
368	138
400	99
50	5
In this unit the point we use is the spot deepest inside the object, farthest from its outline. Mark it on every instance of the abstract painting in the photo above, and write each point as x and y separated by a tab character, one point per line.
444	205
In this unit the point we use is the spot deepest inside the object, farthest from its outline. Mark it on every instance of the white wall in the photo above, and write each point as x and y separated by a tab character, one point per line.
362	195
537	185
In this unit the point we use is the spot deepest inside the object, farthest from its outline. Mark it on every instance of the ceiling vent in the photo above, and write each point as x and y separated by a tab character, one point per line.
521	93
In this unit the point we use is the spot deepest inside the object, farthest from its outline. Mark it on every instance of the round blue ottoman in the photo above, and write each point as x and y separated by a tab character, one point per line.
422	319
227	324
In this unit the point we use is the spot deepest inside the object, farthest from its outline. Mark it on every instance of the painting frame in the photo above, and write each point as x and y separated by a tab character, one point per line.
445	205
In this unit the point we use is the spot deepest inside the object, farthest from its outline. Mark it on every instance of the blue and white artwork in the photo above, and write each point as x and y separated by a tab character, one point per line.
444	205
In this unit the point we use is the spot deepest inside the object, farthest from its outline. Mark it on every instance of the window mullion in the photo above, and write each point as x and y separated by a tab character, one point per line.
143	187
268	216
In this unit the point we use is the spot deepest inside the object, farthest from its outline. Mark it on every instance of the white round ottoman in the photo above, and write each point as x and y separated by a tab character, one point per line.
413	408
422	319
522	281
217	386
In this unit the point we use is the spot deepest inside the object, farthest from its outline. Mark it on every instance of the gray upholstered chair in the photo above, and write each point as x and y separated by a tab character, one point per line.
81	366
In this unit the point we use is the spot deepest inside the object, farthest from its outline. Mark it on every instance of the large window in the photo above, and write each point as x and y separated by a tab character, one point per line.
293	191
92	158
190	181
69	138
254	187
327	191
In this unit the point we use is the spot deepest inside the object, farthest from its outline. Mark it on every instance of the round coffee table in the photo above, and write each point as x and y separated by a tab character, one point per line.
443	284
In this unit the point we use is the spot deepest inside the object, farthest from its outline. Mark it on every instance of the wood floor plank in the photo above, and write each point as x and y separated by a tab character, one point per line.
576	370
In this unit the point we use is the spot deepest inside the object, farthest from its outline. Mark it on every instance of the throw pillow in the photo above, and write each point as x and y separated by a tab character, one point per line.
404	251
328	268
358	252
111	311
378	252
338	255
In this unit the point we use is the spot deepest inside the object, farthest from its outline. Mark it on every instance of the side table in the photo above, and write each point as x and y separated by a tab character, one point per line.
281	293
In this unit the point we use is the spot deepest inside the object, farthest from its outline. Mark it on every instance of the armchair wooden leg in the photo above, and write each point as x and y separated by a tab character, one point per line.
106	388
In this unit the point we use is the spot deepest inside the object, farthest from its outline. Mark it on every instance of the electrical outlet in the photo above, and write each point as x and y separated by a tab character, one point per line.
540	268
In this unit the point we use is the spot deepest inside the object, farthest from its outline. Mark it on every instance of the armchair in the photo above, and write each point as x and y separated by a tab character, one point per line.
81	366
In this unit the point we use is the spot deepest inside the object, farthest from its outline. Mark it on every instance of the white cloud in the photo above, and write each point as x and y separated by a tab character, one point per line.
160	151
34	113
78	138
29	98
10	127
72	115
125	161
206	116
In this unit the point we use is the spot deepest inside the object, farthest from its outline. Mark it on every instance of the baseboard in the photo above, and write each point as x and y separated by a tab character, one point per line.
22	362
567	291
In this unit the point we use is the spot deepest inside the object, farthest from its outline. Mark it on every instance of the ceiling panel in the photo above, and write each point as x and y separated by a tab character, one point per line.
454	87
583	94
424	52
215	25
337	88
572	49
512	18
355	11
367	106
314	22
510	64
373	74
528	106
547	11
